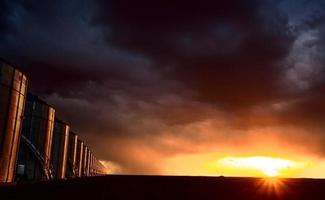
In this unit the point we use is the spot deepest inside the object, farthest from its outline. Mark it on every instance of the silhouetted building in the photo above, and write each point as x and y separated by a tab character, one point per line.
72	168
37	133
60	148
13	87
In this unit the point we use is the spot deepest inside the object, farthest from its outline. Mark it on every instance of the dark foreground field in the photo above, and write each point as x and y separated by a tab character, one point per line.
167	187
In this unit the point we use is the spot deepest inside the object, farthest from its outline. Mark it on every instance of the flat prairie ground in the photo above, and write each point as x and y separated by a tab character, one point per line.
128	187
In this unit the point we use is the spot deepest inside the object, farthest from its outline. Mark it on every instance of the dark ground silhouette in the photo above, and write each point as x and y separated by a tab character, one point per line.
168	187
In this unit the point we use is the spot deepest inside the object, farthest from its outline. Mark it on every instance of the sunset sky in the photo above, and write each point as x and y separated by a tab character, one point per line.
180	87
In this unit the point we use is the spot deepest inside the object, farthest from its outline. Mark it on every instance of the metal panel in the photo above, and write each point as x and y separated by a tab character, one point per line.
88	163
12	99
38	130
72	168
60	148
84	161
91	164
48	136
80	155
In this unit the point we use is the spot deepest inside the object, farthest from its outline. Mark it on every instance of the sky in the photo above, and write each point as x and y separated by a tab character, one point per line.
179	88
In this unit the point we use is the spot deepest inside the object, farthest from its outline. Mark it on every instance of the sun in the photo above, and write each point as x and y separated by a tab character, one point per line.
269	166
270	172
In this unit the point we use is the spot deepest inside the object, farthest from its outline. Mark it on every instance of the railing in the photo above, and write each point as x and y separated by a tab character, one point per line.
44	162
73	168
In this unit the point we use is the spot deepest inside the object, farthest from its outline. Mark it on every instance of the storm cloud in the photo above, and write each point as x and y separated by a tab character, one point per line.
146	80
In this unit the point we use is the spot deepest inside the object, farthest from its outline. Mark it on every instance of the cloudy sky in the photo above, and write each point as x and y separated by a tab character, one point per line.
170	88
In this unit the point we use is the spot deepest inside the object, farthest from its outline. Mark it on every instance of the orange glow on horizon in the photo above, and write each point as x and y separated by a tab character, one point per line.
253	156
271	167
265	166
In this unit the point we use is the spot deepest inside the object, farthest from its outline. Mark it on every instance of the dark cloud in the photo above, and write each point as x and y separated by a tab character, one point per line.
213	47
56	40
